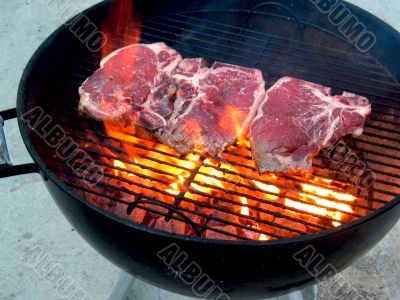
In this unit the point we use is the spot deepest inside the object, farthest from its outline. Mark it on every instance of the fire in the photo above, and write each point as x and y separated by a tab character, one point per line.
232	120
263	237
118	164
330	204
326	192
174	190
193	157
117	25
268	189
176	186
208	180
306	207
324	205
244	210
244	143
121	165
211	179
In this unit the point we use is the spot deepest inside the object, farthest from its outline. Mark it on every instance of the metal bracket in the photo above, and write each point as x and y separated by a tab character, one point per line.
4	156
121	290
6	167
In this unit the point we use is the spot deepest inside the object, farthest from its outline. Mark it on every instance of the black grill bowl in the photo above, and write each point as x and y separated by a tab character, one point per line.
299	41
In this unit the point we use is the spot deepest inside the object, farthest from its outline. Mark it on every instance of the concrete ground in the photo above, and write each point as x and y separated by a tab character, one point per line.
30	222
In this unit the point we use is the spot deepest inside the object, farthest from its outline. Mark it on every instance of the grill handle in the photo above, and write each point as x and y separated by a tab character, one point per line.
7	169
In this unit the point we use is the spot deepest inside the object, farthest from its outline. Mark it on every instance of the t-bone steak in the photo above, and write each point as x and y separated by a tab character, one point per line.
133	84
297	119
214	106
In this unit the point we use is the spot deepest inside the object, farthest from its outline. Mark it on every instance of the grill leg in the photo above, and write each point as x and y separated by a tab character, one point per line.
310	293
125	282
121	290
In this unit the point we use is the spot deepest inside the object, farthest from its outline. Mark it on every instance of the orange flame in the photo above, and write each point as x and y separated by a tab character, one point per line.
324	205
244	210
121	26
232	120
268	189
263	237
243	142
306	207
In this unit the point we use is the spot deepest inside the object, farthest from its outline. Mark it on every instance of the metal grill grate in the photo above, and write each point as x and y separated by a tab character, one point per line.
214	205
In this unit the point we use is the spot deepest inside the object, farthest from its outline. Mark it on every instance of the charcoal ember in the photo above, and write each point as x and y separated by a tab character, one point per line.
270	208
210	234
223	216
306	217
206	211
285	233
104	203
137	215
198	219
157	210
188	206
195	220
250	234
172	226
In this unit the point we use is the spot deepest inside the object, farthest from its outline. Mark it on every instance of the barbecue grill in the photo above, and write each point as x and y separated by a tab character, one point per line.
131	197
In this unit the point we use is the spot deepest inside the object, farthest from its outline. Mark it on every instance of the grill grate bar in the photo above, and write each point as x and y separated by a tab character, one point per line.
262	41
110	166
252	188
162	214
188	182
181	197
385	138
163	192
275	214
389	130
287	177
371	199
129	162
346	86
257	220
384	121
227	222
75	100
355	148
316	50
168	215
271	194
366	90
281	194
332	67
213	157
368	160
375	91
162	162
194	172
245	176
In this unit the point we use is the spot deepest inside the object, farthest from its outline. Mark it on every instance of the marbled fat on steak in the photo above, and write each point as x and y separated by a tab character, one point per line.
297	119
214	106
133	84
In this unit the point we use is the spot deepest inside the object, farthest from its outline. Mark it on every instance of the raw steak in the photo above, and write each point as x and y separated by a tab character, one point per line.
132	84
214	106
297	119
